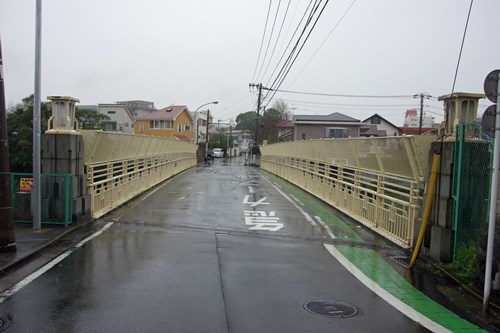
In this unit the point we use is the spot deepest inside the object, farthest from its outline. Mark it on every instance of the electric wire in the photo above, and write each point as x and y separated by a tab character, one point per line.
263	37
277	39
300	50
269	40
324	41
288	45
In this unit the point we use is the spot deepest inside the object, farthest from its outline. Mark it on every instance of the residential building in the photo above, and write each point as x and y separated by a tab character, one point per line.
200	125
285	130
378	126
335	125
412	119
138	108
120	118
174	122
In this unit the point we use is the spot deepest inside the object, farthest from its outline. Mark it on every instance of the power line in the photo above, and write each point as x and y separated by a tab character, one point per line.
324	41
288	45
303	44
277	38
339	95
269	41
263	37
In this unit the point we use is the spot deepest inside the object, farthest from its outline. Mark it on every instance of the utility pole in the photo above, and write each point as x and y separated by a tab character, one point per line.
36	192
421	95
206	137
7	234
259	86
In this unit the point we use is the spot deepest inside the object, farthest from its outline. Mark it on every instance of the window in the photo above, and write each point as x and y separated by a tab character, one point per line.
376	120
179	128
126	124
335	132
160	124
141	127
187	128
111	112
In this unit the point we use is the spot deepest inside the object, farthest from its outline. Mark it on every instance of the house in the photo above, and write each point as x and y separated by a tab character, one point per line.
335	125
138	108
412	119
174	122
121	120
377	125
285	130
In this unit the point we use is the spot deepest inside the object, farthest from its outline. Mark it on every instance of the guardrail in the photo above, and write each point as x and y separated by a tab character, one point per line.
377	181
120	166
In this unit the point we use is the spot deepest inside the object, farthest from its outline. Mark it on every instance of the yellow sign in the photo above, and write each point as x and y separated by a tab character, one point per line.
26	184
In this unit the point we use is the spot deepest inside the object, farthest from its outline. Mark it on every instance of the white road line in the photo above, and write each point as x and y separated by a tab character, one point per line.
251	190
298	201
32	277
308	218
384	294
153	191
327	228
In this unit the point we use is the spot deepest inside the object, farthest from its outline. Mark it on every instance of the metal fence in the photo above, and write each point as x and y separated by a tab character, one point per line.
471	185
56	198
120	166
377	181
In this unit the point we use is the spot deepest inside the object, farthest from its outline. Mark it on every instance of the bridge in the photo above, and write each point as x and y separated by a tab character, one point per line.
146	184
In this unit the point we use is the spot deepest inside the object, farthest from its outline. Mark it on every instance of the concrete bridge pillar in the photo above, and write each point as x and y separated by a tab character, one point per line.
63	153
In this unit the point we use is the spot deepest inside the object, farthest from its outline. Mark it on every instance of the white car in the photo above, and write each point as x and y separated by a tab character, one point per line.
218	152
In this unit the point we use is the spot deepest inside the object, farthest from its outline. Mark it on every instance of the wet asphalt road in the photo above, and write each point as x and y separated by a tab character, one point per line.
218	248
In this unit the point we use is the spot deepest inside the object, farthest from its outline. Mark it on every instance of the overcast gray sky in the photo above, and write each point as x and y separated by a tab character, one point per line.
195	51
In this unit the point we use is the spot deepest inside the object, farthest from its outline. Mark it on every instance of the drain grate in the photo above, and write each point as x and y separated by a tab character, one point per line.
331	309
4	323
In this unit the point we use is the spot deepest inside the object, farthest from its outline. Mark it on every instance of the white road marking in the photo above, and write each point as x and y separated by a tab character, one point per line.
153	191
384	294
182	198
20	285
327	228
308	218
252	203
250	189
298	201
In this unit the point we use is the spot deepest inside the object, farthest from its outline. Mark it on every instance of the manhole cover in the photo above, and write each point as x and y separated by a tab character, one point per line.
4	323
332	309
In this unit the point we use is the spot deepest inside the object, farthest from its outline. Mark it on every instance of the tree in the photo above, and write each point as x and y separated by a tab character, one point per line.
217	140
246	121
270	119
281	106
20	133
90	119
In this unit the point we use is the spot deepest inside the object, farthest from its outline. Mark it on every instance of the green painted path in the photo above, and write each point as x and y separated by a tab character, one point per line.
372	270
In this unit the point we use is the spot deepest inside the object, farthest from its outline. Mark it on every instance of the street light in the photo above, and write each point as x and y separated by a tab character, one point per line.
196	117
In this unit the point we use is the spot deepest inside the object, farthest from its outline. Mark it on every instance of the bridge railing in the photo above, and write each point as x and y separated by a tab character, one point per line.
121	166
377	181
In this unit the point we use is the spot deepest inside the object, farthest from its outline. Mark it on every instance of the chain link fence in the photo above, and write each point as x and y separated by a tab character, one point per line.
56	198
471	187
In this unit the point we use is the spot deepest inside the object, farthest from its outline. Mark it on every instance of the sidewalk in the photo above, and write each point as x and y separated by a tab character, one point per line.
28	242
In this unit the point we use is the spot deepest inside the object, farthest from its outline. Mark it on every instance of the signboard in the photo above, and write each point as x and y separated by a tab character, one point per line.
25	184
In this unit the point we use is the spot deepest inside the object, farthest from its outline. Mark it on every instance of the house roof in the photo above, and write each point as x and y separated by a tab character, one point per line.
169	113
415	130
334	117
285	123
371	130
377	115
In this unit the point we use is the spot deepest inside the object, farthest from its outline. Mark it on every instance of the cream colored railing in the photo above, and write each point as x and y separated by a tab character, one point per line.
377	181
121	166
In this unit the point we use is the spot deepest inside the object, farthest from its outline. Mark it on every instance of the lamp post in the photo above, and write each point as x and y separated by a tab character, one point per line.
196	117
